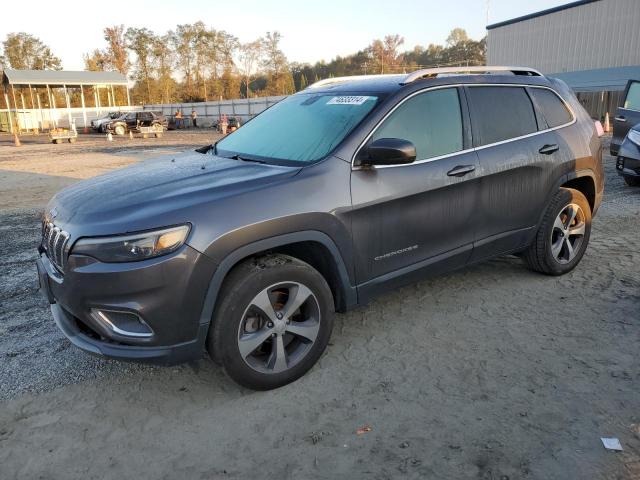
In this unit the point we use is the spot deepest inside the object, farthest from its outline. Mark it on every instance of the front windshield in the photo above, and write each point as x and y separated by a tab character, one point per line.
301	128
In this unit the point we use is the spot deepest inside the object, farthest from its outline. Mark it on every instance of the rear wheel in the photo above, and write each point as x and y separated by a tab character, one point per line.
563	235
273	322
632	181
120	130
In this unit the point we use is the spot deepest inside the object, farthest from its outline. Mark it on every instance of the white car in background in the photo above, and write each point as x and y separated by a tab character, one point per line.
100	124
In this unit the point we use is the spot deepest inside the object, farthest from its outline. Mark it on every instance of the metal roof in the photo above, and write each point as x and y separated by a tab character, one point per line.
599	80
62	77
541	13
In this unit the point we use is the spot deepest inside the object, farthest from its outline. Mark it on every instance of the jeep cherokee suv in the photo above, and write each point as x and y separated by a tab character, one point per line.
350	188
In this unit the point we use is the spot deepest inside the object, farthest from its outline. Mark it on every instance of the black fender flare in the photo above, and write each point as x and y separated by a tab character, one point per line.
558	183
349	291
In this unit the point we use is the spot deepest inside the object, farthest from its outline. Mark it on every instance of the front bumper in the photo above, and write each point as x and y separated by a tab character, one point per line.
167	293
168	355
628	167
628	160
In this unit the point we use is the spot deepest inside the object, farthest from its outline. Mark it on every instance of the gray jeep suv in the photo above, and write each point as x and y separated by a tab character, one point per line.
350	188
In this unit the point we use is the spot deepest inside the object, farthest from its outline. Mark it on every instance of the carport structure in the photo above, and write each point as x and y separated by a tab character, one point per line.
30	96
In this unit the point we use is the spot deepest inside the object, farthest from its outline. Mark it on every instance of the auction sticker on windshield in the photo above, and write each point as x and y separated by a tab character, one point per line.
348	100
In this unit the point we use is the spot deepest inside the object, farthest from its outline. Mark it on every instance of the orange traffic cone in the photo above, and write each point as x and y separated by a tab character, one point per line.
607	124
16	139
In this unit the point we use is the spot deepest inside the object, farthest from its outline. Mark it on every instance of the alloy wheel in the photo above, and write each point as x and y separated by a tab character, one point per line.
279	327
568	233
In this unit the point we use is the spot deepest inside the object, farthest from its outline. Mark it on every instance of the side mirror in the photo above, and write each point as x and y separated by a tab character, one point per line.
389	151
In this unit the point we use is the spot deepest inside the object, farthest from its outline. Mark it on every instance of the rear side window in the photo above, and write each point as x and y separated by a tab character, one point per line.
632	101
554	111
431	121
501	113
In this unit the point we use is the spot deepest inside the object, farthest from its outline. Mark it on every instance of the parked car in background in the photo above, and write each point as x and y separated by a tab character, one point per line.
100	124
346	190
627	115
233	123
628	161
132	120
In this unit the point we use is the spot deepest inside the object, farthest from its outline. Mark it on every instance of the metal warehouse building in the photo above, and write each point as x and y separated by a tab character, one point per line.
593	45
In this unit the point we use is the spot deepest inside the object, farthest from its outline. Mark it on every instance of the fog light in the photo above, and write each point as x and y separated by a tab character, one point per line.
122	323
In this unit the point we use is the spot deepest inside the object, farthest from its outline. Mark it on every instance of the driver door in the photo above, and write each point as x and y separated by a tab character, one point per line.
418	217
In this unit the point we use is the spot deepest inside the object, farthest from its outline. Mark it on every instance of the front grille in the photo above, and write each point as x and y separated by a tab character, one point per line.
54	242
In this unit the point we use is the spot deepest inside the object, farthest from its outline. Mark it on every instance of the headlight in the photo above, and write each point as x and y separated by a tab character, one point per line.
634	136
133	247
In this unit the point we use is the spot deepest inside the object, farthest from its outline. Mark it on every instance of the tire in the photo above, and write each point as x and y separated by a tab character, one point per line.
551	253
272	355
120	130
72	140
632	181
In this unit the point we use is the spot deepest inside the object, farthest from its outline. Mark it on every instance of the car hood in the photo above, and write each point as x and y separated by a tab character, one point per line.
157	189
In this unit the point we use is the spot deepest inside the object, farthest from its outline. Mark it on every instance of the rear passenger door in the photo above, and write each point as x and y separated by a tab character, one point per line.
627	115
517	155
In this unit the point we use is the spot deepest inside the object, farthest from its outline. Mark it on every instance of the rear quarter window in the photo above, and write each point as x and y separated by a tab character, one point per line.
553	109
501	113
632	102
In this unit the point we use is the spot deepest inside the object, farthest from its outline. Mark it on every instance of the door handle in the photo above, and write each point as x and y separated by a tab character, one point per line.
461	170
620	119
549	149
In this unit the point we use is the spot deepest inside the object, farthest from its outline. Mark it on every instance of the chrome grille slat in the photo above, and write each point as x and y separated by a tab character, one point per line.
54	242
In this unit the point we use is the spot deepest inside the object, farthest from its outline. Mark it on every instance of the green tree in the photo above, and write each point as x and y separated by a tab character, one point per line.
280	81
250	54
26	52
140	41
164	59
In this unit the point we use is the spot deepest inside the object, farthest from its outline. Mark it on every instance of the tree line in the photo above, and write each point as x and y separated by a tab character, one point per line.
194	62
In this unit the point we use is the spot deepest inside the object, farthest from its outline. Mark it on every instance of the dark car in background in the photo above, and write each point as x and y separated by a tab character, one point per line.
628	161
132	120
627	115
99	124
346	190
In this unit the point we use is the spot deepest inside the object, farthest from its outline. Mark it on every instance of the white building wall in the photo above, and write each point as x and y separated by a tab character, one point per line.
601	34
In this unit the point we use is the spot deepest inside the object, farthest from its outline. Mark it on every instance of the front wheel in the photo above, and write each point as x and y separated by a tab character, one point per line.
563	235
120	130
273	321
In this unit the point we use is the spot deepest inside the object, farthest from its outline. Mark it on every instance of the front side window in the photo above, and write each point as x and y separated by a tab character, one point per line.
554	111
632	101
300	128
431	121
501	113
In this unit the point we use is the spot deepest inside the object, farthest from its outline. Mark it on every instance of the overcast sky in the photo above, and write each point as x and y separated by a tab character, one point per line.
311	31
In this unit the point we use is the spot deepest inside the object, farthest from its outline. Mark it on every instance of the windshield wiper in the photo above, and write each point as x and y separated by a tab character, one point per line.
245	159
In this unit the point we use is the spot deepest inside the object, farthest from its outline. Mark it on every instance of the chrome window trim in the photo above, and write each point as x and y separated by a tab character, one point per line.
460	152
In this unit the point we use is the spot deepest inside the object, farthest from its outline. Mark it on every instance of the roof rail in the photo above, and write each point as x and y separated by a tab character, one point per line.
434	72
329	81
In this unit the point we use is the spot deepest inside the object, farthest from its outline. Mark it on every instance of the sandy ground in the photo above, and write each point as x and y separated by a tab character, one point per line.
493	372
